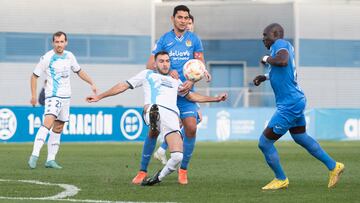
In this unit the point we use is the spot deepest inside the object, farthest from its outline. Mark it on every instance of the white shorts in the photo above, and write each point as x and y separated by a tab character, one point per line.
58	107
169	121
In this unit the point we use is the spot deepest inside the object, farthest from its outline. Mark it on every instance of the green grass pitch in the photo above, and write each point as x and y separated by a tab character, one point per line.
219	172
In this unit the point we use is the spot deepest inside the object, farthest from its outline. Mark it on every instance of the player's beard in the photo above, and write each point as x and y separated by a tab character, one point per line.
163	72
59	50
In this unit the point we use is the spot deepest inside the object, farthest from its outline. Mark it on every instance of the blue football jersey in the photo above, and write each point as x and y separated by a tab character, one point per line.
283	79
180	49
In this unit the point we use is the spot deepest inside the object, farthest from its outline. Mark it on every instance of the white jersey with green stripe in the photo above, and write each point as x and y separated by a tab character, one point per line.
57	69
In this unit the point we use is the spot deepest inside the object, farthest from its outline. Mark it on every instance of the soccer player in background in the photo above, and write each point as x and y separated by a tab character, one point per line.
182	46
56	64
160	111
289	116
160	153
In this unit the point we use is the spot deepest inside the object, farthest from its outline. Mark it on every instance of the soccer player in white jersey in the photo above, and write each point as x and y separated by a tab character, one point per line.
57	65
160	111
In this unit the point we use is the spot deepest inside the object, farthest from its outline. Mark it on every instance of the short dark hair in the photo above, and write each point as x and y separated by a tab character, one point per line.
58	34
161	53
192	18
181	8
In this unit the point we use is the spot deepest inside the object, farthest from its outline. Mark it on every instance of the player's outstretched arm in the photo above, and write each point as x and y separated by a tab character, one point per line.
33	86
85	77
281	59
195	97
117	89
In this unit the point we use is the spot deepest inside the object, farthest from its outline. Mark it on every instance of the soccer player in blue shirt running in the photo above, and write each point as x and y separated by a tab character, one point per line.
289	116
182	46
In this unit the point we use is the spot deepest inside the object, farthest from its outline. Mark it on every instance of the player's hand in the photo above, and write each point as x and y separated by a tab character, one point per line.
174	74
264	59
259	79
222	97
92	98
94	89
207	76
33	101
186	87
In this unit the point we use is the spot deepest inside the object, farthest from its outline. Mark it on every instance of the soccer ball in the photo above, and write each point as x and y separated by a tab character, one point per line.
194	70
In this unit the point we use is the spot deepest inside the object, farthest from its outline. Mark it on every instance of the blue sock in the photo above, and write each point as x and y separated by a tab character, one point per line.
164	145
313	147
271	156
189	144
148	149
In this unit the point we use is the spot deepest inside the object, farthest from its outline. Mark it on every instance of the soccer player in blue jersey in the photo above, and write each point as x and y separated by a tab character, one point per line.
289	116
182	46
160	153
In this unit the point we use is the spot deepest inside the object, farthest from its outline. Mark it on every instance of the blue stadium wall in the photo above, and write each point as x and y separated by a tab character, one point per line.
20	124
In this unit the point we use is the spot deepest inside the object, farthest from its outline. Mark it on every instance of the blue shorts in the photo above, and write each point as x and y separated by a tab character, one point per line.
187	108
289	117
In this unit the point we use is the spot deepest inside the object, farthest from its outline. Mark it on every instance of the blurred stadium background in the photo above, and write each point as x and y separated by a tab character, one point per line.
112	40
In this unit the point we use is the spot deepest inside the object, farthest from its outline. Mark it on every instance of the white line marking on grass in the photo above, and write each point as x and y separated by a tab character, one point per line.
70	191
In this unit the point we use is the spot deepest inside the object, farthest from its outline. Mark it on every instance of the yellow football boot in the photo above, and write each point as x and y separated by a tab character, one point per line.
276	184
334	175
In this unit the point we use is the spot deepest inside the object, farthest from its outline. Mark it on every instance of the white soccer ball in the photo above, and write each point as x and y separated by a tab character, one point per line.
194	70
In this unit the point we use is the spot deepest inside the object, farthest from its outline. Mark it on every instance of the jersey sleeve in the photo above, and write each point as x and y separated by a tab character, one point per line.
75	67
138	79
41	66
158	46
280	45
198	47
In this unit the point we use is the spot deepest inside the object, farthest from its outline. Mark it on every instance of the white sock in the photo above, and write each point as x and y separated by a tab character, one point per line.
40	139
161	151
53	145
171	165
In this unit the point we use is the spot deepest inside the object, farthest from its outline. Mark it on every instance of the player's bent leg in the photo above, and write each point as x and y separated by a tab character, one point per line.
271	155
175	146
160	154
154	117
313	147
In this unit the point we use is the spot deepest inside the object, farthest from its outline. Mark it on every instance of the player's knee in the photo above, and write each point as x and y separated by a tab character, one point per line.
263	145
177	156
57	129
190	131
